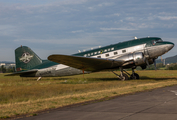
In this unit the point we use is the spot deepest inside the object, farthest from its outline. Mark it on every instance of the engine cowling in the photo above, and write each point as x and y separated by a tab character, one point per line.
133	58
139	58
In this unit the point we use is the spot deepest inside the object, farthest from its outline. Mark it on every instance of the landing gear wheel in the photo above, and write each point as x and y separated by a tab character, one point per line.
135	77
124	77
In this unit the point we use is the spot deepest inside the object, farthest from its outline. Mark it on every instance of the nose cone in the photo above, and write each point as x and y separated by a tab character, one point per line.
169	46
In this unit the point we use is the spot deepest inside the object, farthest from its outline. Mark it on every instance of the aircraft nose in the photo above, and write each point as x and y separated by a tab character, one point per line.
169	46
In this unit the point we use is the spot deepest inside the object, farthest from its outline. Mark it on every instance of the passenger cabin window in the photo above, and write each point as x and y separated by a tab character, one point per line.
98	56
107	55
115	53
91	53
95	53
123	51
105	50
108	49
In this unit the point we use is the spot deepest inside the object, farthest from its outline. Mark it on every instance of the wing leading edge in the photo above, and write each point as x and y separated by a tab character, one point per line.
86	63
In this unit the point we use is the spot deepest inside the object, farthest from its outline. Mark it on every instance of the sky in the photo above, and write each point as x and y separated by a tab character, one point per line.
66	26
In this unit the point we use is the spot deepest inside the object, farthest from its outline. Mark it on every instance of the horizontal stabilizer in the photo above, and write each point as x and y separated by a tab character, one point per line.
23	73
86	63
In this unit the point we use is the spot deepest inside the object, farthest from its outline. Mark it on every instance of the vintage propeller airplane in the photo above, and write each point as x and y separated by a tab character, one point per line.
129	54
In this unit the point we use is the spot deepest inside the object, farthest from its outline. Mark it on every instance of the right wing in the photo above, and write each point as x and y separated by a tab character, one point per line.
86	63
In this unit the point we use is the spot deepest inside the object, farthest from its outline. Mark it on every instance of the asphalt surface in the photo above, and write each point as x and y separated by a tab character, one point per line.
158	104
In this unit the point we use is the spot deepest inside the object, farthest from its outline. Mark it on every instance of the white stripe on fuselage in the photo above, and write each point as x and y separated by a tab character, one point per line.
61	66
119	52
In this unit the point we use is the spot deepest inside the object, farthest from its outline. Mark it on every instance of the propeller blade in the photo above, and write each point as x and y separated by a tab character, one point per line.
155	64
147	62
161	59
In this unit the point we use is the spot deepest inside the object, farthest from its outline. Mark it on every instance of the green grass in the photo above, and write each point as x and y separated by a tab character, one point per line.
27	96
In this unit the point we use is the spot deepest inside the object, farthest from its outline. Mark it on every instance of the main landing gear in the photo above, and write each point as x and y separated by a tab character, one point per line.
126	76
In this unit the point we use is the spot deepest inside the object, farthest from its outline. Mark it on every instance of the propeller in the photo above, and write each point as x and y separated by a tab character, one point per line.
146	60
155	64
146	56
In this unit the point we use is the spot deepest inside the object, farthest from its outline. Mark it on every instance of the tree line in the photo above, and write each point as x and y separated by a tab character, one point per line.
4	69
161	66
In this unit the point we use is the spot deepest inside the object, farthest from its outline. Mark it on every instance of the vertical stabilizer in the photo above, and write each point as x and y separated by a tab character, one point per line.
26	59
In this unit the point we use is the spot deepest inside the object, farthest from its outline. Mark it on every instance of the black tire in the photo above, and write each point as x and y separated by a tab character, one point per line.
124	77
136	76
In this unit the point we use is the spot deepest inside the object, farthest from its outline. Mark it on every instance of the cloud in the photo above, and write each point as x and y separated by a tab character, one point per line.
167	17
130	18
78	31
100	5
62	41
83	23
116	14
38	7
8	30
113	29
105	4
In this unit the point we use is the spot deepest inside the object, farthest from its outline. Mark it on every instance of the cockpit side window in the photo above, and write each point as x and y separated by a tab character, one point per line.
153	42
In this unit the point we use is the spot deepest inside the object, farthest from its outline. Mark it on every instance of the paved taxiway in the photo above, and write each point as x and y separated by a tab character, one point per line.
158	104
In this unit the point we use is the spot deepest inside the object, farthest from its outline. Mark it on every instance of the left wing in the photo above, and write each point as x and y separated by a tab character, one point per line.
86	63
23	73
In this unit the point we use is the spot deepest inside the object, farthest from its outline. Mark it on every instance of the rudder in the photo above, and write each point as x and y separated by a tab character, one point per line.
26	59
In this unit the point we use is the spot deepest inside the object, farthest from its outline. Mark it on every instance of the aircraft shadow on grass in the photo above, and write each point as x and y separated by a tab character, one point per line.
98	79
157	79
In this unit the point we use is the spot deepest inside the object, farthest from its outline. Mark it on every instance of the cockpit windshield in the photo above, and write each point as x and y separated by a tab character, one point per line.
159	40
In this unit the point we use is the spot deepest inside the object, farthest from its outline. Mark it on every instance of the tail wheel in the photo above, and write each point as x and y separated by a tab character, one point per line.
135	77
124	77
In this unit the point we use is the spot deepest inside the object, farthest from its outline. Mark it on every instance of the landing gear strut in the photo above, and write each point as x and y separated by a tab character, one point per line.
134	75
124	75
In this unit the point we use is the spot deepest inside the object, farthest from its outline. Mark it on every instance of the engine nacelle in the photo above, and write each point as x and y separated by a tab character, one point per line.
139	58
133	58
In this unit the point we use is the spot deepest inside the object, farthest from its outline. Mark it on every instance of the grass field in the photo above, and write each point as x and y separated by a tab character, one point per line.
20	96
